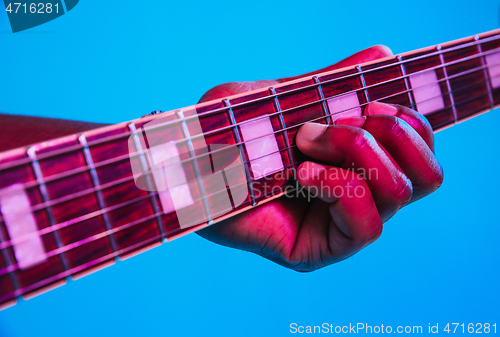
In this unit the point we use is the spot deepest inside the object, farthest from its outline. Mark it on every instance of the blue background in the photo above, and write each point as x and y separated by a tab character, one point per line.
437	261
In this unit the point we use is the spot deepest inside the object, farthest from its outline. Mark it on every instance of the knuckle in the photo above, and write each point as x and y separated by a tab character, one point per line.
425	124
352	245
372	232
436	179
354	179
425	128
431	180
403	191
439	178
397	128
419	122
396	124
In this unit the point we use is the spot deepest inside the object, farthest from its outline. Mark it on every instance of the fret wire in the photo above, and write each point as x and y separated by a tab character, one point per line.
40	206
448	85
236	134
361	105
97	236
282	124
92	238
284	131
145	219
110	138
45	231
343	94
356	74
106	162
72	196
335	96
491	38
495	37
76	269
9	262
9	294
364	104
87	240
226	184
324	106
196	167
95	181
456	75
87	265
12	268
363	83
482	68
149	182
71	222
407	85
81	169
98	260
37	170
485	71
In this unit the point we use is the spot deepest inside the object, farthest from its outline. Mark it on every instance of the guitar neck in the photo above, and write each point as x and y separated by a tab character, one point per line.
73	205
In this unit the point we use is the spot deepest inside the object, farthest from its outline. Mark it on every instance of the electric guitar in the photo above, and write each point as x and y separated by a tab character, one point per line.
73	205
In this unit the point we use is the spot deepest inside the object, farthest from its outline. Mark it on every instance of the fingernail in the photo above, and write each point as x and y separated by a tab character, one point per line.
311	131
377	108
351	121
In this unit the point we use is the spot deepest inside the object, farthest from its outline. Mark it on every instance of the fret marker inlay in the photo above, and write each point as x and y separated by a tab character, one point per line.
170	177
493	62
427	92
196	180
344	106
262	148
20	222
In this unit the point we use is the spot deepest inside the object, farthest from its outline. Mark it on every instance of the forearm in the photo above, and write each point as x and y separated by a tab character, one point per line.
24	130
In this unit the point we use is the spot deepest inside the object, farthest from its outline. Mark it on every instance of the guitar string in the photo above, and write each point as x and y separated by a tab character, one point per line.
438	52
51	178
479	41
476	42
128	225
120	181
319	101
315	86
125	226
80	268
70	197
46	281
381	98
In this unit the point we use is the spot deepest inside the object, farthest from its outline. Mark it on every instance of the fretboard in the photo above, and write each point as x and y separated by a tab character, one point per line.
73	205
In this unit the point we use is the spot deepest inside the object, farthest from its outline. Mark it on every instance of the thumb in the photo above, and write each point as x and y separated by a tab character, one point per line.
366	55
232	88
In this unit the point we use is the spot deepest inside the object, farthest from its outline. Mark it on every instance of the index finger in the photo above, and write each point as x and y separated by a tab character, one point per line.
417	121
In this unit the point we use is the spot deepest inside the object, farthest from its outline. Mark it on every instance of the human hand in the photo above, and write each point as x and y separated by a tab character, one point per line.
371	167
